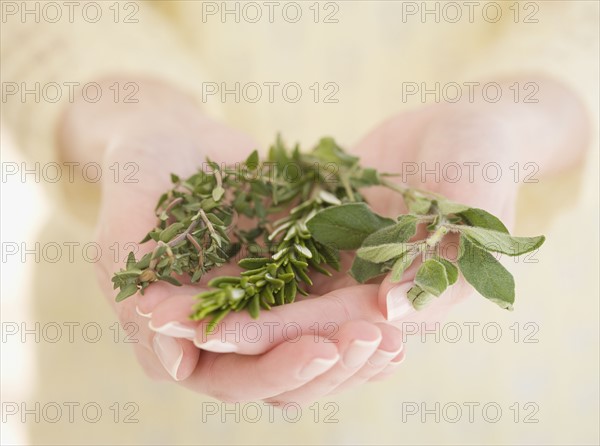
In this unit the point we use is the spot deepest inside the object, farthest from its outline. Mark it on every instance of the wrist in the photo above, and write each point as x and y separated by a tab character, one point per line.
86	128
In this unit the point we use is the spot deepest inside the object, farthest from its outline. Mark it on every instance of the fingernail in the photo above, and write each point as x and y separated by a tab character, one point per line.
398	359
397	304
169	353
359	351
382	357
217	346
316	367
138	311
174	329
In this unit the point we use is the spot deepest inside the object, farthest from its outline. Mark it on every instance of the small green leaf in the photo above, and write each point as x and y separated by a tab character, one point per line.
252	160
418	205
402	264
362	270
171	280
171	231
130	262
367	177
253	262
431	277
328	151
402	231
483	219
218	317
450	207
499	241
218	193
406	226
486	274
385	252
418	297
126	291
129	274
254	306
451	270
345	226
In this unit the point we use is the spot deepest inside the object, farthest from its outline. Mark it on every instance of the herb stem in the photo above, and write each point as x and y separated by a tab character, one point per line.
181	237
206	221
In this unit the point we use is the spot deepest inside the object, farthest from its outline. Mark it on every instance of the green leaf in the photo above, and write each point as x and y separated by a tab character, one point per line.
451	270
328	151
368	177
483	219
402	231
345	226
450	207
126	291
385	252
418	297
402	264
486	274
171	280
254	306
362	270
169	232
418	205
252	160
431	277
253	262
217	193
499	241
406	227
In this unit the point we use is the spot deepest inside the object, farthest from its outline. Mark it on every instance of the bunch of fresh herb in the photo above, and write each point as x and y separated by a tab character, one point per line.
324	212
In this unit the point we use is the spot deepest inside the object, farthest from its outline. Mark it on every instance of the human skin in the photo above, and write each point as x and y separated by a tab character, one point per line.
351	333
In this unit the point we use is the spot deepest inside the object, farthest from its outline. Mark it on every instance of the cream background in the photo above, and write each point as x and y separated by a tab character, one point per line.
368	54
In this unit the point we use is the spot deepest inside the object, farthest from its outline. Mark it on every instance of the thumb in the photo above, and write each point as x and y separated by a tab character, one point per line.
392	296
395	305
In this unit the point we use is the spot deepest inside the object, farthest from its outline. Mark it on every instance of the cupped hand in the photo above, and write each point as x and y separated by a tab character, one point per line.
314	347
303	366
430	140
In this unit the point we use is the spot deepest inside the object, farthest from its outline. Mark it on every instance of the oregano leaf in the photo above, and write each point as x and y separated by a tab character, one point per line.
451	270
362	270
418	205
401	231
486	274
385	252
483	219
431	277
418	297
345	226
451	207
496	241
401	265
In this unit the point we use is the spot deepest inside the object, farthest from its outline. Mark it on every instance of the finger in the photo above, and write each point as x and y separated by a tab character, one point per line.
178	357
157	293
161	356
172	317
394	303
390	347
357	341
390	369
233	378
397	308
322	316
